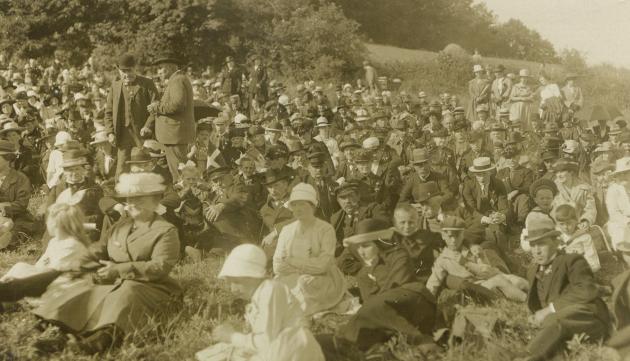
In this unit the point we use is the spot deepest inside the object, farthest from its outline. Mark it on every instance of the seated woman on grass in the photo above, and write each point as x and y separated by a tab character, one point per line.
471	264
132	285
276	322
304	259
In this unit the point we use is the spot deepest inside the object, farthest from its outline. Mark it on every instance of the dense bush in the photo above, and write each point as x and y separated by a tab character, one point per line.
301	37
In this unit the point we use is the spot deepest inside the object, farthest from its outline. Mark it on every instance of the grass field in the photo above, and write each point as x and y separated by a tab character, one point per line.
389	54
206	303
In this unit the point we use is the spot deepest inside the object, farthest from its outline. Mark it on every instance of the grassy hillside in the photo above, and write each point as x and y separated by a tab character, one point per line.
390	54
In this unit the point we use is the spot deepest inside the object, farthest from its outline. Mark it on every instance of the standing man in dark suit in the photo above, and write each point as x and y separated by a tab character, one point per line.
126	115
175	124
258	81
563	295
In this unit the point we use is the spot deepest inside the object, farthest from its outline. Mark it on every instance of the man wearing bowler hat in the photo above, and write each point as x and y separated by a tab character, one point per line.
126	115
174	114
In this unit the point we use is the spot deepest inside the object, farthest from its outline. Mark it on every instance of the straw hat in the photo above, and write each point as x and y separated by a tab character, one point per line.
10	127
481	164
100	137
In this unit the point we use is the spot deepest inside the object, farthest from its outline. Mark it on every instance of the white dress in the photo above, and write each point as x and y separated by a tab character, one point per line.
618	206
277	328
306	264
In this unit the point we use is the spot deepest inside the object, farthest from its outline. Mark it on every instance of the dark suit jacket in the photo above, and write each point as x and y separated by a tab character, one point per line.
571	283
141	93
497	197
16	191
175	122
258	79
519	179
413	181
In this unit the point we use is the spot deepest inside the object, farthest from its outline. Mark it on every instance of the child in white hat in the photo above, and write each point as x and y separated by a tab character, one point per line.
278	331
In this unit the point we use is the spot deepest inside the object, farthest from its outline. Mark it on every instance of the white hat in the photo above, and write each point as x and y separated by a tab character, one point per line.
422	95
481	164
283	99
62	138
32	93
303	192
139	184
246	260
347	86
371	143
524	73
322	122
240	118
477	68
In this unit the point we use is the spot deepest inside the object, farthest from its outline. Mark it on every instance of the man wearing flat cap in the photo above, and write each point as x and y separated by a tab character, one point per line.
126	115
174	114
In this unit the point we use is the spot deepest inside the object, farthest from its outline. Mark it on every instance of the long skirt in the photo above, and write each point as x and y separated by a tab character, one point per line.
86	307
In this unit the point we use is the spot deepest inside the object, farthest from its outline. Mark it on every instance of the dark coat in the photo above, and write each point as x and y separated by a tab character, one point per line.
141	93
144	259
572	290
495	202
175	122
413	181
258	80
520	178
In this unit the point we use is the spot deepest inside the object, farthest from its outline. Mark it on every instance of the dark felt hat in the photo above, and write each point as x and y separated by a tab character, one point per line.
168	59
370	230
272	176
139	155
126	61
347	188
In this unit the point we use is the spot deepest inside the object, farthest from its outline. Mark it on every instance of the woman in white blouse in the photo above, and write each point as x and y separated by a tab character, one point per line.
305	256
551	103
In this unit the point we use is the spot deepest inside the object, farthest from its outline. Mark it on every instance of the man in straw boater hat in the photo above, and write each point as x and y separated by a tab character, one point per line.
126	114
485	196
563	295
387	278
174	114
133	284
14	197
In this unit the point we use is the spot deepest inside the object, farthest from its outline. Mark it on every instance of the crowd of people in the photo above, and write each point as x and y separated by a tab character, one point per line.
415	198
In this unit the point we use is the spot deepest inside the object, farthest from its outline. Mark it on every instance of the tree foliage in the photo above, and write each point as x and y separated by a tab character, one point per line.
432	24
302	37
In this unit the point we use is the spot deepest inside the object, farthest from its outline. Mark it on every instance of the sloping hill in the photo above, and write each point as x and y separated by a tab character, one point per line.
390	54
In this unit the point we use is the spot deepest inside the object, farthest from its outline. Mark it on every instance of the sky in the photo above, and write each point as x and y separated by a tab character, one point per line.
600	29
